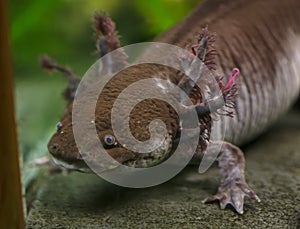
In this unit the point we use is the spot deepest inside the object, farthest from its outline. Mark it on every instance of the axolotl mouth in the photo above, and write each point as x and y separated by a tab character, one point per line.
62	147
137	161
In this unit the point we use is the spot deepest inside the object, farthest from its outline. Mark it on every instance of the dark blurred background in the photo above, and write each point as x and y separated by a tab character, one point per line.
63	30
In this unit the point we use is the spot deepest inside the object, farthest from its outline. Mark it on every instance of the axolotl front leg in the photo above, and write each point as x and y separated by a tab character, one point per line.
233	186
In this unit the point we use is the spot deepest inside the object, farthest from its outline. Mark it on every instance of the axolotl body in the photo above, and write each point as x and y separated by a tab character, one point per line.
260	38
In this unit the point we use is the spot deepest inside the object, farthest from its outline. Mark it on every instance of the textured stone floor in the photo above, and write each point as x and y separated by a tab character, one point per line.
77	200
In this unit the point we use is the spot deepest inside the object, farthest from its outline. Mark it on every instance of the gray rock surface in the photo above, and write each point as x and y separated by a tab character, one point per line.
77	200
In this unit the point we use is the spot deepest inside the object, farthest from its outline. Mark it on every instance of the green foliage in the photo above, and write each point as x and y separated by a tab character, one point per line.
161	15
62	28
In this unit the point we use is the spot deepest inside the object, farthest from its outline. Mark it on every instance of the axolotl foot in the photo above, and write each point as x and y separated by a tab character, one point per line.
233	186
233	194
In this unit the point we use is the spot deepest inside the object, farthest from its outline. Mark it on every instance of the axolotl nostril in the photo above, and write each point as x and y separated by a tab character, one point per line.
265	82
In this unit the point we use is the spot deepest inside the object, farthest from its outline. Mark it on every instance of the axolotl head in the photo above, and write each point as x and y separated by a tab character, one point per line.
63	146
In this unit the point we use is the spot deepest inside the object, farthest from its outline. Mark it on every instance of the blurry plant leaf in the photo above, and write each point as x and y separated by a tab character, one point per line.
31	17
162	14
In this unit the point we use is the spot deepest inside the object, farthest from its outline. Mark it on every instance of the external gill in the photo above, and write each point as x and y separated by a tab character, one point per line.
107	40
222	104
229	92
205	49
50	65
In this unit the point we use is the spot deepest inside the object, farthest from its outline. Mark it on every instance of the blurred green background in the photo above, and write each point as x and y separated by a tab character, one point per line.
63	30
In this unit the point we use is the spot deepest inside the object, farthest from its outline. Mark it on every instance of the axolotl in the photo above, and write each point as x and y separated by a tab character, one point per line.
257	51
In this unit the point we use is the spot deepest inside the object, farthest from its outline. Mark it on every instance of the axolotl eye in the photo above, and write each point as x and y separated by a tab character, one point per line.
109	140
58	126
